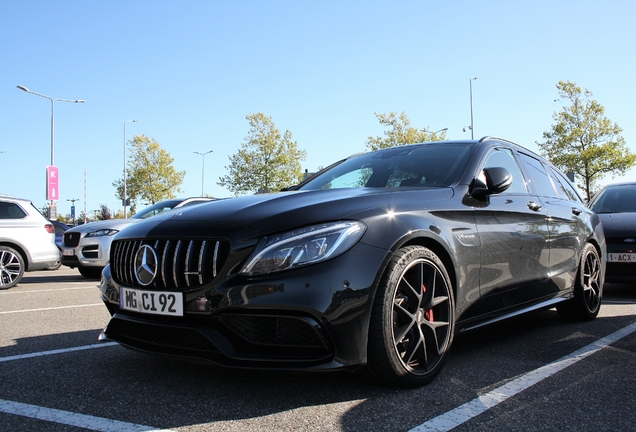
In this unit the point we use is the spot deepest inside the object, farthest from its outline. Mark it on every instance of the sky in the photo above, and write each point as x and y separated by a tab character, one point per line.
191	71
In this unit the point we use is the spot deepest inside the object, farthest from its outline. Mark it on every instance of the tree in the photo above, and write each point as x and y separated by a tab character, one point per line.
401	133
150	175
266	161
104	212
584	141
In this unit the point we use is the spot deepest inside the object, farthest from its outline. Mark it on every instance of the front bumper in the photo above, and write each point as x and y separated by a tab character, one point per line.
312	318
90	252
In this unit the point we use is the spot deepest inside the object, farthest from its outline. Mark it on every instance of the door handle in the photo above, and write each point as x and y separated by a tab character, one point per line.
534	206
576	211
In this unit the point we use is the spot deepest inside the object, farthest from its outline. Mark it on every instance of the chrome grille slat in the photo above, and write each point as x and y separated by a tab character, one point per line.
200	262
187	264
164	262
174	264
215	258
182	263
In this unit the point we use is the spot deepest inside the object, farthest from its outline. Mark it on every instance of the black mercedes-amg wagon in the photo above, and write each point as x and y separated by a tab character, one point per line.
375	262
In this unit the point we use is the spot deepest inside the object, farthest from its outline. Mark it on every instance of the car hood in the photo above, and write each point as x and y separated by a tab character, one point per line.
270	213
619	224
116	224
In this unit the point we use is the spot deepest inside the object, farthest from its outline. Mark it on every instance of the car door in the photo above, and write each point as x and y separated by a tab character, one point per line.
513	231
566	223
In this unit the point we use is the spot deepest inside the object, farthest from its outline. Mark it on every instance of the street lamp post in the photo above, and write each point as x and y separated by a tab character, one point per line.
203	168
53	100
471	108
125	200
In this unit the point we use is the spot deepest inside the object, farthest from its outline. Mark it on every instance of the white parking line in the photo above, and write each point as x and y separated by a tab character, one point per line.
71	418
57	351
67	417
463	413
51	308
82	287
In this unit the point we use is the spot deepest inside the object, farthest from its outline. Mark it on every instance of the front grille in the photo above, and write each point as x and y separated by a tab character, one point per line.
181	264
71	239
620	241
621	270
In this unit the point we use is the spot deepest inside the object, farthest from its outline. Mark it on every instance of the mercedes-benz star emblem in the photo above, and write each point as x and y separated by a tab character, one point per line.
145	265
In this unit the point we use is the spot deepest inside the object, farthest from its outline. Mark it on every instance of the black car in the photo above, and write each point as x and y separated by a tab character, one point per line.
375	263
616	206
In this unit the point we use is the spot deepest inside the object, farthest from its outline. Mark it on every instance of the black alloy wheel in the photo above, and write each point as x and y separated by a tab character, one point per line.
11	267
413	319
588	288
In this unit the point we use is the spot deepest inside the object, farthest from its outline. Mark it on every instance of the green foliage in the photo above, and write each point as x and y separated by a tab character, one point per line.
584	141
401	133
104	212
266	161
150	174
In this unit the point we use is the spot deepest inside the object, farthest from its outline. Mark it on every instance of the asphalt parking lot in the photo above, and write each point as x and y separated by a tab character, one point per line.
535	373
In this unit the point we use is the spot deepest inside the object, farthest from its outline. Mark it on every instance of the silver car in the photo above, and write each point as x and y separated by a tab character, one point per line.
27	240
87	247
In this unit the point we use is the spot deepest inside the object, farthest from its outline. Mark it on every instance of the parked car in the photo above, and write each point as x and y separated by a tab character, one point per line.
87	247
27	240
60	229
375	263
616	206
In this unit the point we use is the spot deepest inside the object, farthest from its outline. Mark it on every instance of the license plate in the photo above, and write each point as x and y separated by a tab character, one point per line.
151	302
68	252
621	257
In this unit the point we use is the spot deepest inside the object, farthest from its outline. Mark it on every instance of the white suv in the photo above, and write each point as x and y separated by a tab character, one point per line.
27	240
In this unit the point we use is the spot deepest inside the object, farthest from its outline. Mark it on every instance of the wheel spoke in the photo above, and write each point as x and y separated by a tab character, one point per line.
405	319
415	345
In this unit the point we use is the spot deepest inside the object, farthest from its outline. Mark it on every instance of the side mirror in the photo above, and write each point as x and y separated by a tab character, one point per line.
498	179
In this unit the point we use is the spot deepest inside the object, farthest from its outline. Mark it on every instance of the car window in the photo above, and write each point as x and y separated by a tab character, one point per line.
538	177
503	157
565	189
9	210
428	165
615	199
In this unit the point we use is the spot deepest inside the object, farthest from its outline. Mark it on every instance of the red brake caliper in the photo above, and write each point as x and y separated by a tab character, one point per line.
429	313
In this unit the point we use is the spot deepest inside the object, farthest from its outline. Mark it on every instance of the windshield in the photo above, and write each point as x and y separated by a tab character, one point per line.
155	209
615	199
425	165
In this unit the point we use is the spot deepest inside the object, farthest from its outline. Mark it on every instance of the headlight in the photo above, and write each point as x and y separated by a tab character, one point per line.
102	232
303	246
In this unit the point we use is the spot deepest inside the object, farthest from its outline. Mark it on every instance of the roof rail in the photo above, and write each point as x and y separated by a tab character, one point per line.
486	138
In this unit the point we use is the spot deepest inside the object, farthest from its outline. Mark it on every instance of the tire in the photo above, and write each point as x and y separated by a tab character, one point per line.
588	288
412	321
11	267
91	272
